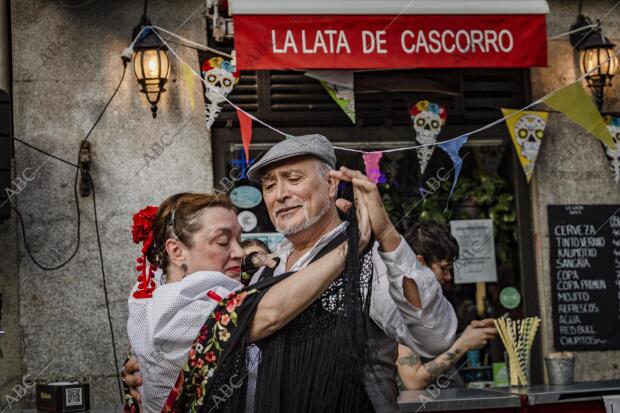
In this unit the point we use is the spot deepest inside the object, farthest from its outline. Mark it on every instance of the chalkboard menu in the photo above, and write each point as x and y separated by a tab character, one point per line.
585	276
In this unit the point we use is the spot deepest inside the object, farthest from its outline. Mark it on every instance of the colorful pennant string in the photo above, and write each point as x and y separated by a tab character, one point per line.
485	127
571	100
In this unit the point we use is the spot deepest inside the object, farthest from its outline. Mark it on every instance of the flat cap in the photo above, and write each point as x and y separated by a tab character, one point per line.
313	145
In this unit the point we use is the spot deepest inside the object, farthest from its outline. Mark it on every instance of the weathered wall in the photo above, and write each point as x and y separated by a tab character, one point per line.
66	64
584	178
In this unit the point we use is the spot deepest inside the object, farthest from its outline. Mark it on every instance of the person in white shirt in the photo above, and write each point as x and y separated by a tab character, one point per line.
437	249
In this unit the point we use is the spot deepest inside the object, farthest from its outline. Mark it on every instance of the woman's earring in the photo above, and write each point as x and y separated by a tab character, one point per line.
184	268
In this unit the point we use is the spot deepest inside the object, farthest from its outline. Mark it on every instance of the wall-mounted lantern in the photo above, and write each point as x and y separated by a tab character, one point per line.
598	60
151	63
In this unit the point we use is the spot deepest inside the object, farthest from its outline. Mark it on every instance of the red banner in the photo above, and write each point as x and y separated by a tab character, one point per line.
389	42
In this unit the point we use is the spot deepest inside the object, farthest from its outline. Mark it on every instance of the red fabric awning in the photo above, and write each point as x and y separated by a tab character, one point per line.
319	40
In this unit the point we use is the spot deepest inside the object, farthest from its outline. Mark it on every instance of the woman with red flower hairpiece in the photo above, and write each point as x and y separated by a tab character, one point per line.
192	242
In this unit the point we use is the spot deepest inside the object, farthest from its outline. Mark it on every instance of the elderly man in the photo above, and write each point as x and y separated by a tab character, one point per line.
406	303
407	306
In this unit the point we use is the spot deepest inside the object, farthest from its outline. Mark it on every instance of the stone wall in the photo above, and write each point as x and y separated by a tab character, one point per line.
66	65
585	178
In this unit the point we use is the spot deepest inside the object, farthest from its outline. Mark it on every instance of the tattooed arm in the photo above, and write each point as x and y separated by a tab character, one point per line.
416	376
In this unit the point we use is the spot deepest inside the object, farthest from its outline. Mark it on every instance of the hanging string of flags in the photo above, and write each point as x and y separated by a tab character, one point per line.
525	127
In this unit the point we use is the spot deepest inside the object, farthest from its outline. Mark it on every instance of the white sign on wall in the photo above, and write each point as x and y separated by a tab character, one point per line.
476	261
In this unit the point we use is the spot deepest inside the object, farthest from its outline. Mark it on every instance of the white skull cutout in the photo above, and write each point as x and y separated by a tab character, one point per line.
222	82
528	132
427	119
220	77
427	126
613	125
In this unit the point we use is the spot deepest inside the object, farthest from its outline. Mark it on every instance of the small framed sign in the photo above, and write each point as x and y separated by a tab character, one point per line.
476	261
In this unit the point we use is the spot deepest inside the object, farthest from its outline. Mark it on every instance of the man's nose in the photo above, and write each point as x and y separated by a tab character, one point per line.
282	192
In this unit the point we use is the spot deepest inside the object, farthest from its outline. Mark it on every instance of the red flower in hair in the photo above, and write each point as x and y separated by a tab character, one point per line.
143	224
142	231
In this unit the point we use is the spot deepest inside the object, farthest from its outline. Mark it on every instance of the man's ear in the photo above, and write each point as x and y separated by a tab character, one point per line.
176	251
333	186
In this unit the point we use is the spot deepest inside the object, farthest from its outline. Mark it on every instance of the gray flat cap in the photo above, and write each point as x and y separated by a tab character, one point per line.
314	145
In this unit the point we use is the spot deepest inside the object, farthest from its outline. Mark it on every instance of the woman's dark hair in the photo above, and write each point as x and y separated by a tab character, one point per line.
177	218
256	243
433	241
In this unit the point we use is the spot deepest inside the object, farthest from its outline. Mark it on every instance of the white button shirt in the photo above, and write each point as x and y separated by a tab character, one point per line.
430	330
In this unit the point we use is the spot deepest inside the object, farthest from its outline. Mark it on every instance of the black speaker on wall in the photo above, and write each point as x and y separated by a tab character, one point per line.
5	155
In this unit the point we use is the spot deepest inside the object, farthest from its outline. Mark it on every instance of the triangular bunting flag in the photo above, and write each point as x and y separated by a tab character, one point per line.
613	125
245	124
574	102
190	80
452	148
371	162
343	96
526	129
427	119
339	85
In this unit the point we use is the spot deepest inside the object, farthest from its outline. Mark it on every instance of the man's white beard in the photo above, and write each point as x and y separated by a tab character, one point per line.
307	222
